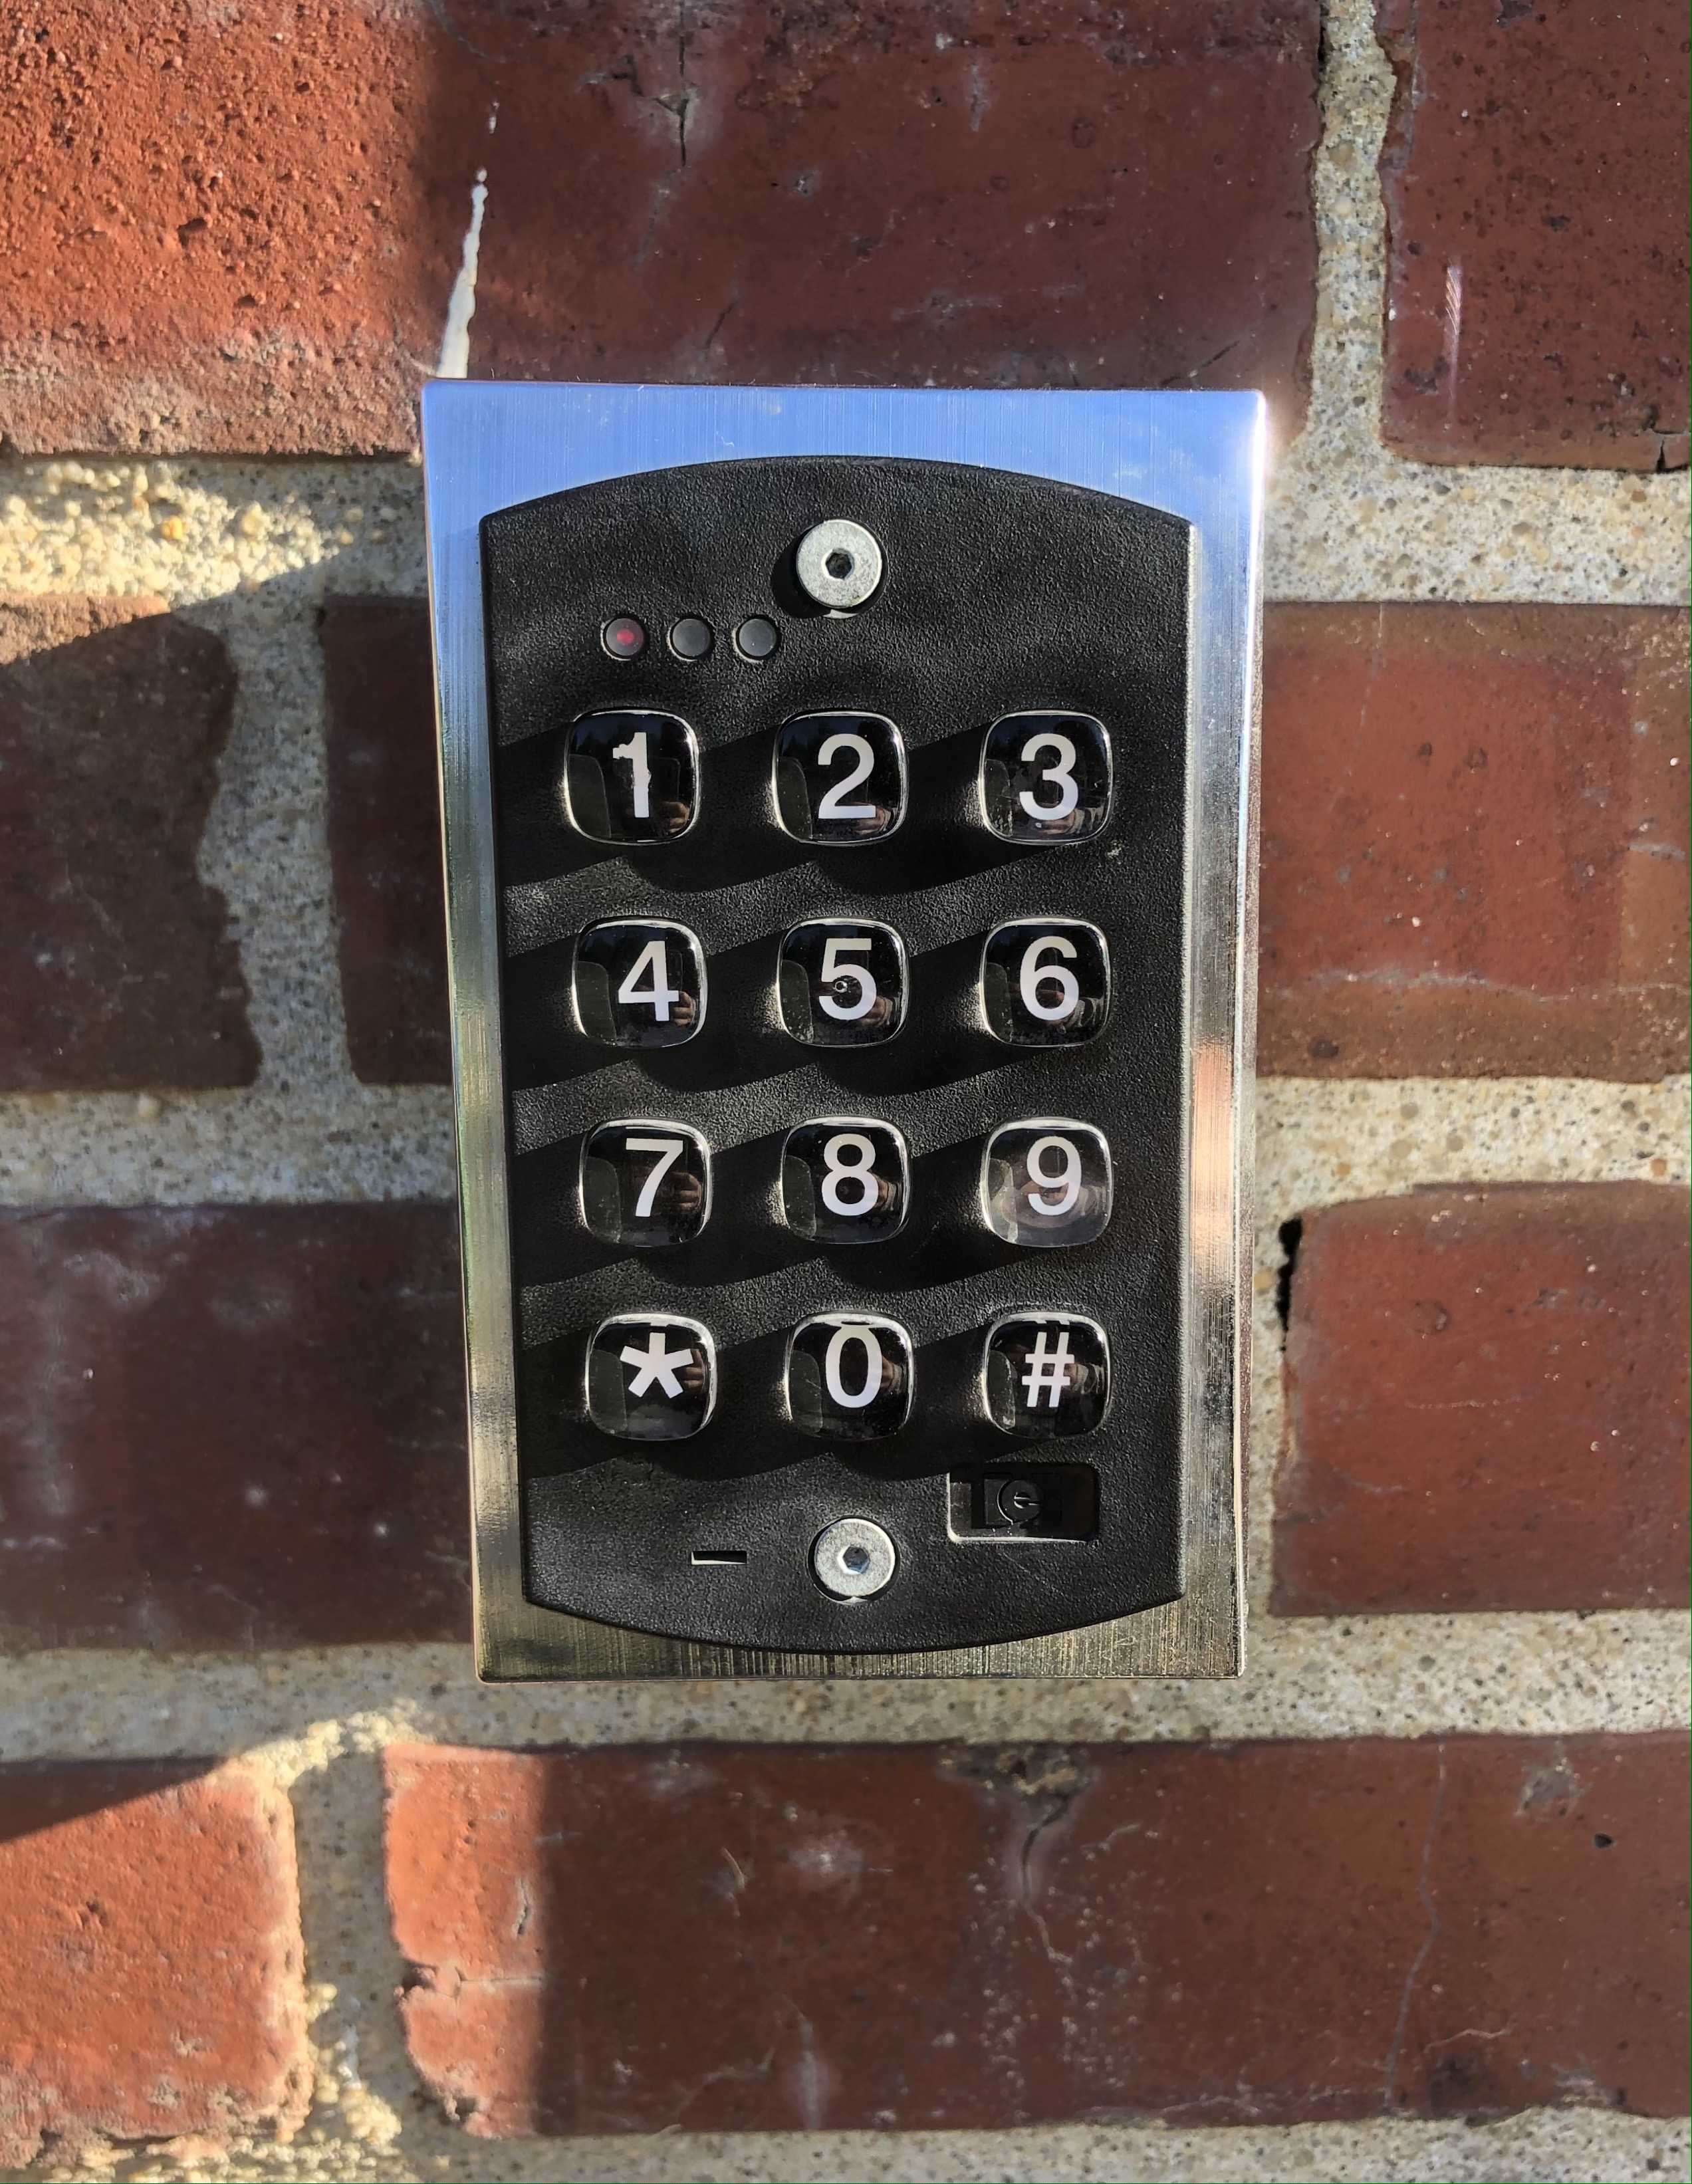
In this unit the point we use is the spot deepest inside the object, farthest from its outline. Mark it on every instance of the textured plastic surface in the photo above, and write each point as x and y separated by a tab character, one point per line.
1003	594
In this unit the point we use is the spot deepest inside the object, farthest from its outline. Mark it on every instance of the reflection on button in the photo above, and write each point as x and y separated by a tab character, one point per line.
645	1185
630	776
1045	1373
638	981
1045	777
849	1376
1046	1183
1045	982
651	1377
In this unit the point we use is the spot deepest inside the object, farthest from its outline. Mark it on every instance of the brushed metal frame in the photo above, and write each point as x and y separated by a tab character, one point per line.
1198	456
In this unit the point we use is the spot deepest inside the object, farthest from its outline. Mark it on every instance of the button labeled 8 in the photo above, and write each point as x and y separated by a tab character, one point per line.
1046	1183
845	1180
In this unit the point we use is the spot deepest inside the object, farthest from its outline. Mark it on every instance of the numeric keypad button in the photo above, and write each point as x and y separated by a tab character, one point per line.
1045	777
1046	1374
651	1377
645	1185
842	981
849	1376
1046	1183
639	981
845	1180
840	778
630	776
1046	982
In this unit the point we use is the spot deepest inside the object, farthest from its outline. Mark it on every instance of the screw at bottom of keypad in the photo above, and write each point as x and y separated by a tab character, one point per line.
853	1559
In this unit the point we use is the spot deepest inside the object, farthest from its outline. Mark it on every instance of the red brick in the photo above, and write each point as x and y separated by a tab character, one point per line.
241	230
1474	841
1535	171
385	838
740	1937
117	968
1487	1403
231	1427
149	1926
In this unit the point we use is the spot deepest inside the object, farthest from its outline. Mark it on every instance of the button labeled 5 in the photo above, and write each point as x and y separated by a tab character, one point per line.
639	981
1045	777
645	1184
845	1180
1045	982
841	981
630	776
840	778
849	1376
1046	1183
651	1377
1046	1374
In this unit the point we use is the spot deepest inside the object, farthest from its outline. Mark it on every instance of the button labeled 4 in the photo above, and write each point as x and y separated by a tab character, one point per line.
841	981
639	981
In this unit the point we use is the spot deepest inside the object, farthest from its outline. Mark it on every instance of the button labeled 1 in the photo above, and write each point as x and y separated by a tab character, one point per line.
651	1377
848	1378
1046	982
840	778
645	1184
630	776
845	1180
1046	1183
1045	777
638	981
1046	1374
841	981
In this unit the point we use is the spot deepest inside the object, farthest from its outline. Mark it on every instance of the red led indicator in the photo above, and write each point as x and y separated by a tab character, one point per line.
623	638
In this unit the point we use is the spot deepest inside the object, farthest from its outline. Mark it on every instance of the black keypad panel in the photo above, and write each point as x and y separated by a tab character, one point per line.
845	1121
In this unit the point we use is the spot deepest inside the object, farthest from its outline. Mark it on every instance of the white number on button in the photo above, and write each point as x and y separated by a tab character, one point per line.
833	949
830	807
1067	1181
669	1152
1062	774
640	771
1034	974
866	1340
657	996
839	1173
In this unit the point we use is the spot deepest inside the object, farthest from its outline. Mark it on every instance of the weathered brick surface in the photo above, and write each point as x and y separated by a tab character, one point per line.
1474	841
1535	171
241	228
117	969
942	1938
1487	1403
149	1930
385	838
231	1427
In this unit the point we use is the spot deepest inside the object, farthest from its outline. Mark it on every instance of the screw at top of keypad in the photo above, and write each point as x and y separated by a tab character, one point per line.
690	638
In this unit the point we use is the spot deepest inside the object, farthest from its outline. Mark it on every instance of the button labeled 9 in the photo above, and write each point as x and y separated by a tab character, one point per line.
840	778
841	981
1046	982
1046	1183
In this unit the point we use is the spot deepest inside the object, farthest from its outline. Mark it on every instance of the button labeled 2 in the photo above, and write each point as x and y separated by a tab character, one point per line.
849	1376
1046	1374
845	1180
639	981
841	981
651	1377
1045	777
645	1185
630	776
1046	1183
840	778
1045	982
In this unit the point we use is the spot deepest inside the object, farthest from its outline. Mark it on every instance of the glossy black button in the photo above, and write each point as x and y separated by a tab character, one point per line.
1045	982
845	1180
639	981
645	1185
690	638
849	1376
840	778
1045	1374
1046	1183
651	1377
841	981
630	776
1045	777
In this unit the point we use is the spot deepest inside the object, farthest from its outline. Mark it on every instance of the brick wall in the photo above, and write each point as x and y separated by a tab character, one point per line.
283	1894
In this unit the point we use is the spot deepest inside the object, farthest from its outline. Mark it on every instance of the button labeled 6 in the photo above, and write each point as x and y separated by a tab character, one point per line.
1046	982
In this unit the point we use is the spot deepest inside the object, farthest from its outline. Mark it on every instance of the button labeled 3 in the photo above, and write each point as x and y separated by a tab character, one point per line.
845	1180
639	981
651	1377
630	776
841	981
1045	777
645	1184
1045	982
1046	1183
1046	1374
849	1376
840	778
